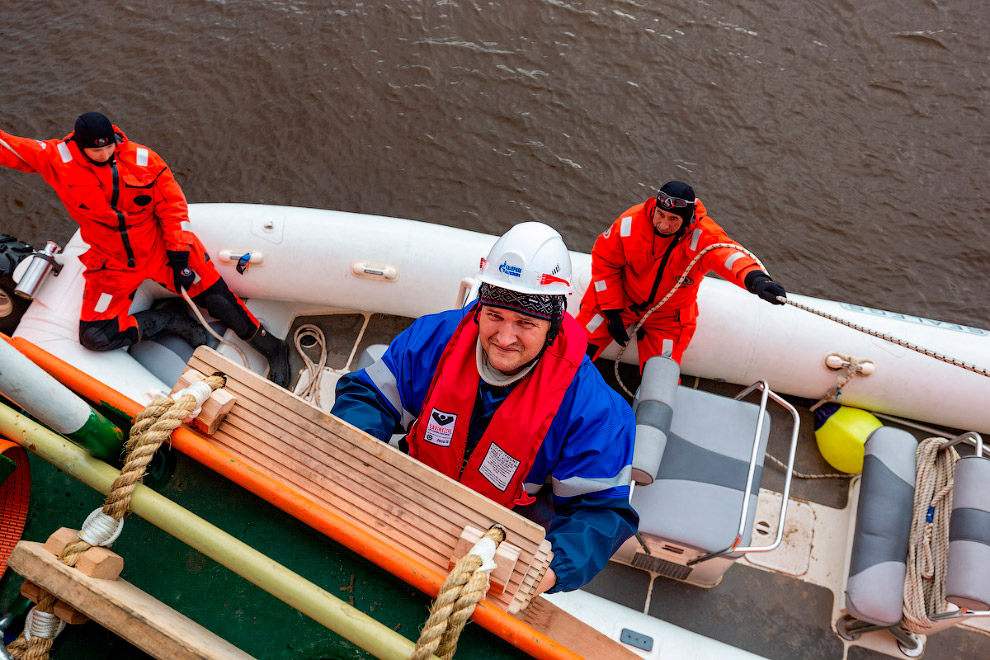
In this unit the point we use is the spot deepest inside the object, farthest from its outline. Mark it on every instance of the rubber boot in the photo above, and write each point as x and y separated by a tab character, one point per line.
173	316
276	352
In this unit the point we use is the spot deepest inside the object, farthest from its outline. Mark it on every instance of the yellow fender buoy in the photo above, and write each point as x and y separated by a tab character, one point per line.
841	433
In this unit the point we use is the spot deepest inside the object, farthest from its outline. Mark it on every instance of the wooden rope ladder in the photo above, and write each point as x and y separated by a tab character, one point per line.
152	427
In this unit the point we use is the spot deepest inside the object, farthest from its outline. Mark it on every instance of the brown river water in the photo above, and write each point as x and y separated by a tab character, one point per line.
846	143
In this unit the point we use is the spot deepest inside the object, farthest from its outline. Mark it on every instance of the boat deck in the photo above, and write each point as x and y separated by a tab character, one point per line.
755	608
769	613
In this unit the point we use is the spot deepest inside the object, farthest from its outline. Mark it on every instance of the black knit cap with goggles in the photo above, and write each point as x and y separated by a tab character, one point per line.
678	198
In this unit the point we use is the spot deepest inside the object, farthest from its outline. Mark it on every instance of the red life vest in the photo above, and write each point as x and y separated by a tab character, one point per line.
508	448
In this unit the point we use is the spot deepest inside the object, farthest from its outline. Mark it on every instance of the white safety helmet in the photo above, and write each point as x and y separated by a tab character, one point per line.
529	258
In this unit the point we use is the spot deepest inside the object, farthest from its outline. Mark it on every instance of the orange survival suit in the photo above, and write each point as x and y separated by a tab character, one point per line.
633	268
131	212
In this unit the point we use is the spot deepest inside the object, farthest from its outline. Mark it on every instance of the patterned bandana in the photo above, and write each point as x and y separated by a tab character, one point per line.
531	304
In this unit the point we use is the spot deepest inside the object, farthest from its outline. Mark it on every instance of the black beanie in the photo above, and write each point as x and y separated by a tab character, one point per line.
680	190
93	131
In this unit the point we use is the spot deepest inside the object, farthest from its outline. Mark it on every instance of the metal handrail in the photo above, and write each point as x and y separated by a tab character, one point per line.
767	394
970	438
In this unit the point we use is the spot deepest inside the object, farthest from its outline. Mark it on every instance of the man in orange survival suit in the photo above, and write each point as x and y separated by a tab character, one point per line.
130	211
638	260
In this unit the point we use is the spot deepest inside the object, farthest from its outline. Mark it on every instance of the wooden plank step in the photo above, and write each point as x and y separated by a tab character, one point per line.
122	608
557	624
371	484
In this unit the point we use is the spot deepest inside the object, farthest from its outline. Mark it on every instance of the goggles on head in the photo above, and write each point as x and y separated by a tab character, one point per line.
667	202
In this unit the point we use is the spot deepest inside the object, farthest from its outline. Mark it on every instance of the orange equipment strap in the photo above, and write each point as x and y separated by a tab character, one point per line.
15	494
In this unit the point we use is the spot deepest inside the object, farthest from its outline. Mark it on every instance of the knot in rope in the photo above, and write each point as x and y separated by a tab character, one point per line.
849	369
924	586
42	624
151	428
460	594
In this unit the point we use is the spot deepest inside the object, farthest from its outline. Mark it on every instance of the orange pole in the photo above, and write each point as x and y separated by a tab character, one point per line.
401	564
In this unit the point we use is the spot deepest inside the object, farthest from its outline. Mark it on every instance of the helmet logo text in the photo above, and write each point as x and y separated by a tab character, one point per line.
512	271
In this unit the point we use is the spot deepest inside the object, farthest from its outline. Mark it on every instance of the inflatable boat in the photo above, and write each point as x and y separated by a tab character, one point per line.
304	261
674	591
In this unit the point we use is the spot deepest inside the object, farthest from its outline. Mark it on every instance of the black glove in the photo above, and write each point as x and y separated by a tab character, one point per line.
760	283
616	327
182	275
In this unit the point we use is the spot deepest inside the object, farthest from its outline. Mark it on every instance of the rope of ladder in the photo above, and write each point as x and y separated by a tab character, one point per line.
153	426
460	594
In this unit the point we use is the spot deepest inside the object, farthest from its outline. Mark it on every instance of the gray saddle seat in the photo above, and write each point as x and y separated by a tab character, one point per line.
967	581
878	565
697	447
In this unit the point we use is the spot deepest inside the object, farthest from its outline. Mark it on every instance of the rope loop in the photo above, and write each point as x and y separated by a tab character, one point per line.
460	594
314	368
43	625
99	529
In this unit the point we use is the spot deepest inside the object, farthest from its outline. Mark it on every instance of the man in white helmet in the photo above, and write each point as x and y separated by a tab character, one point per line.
501	396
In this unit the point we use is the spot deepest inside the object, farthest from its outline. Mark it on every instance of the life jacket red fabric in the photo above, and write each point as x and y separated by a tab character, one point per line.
507	449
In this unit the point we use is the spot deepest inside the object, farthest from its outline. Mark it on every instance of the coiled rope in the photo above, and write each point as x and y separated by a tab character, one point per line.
153	426
314	368
460	594
924	586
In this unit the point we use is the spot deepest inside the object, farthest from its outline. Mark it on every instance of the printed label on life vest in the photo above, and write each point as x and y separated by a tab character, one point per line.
498	467
440	428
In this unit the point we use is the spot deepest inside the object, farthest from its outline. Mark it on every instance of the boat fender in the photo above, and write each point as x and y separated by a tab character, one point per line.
841	433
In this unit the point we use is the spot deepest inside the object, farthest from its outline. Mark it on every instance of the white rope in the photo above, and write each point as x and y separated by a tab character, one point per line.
314	369
199	391
851	367
677	285
880	335
924	584
99	529
892	339
42	624
224	342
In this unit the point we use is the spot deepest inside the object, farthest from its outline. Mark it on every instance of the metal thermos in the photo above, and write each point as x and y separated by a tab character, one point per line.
42	263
